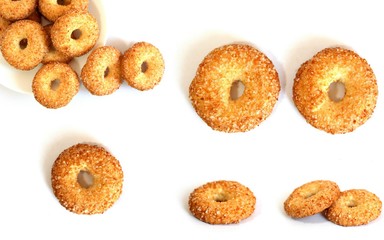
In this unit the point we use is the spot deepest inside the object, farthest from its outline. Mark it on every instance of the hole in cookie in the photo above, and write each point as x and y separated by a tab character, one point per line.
106	72
221	197
55	84
352	204
23	43
144	67
237	90
336	91
76	34
85	179
310	194
63	2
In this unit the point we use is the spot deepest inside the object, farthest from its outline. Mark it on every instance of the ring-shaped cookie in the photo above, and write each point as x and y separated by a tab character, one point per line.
16	10
344	113
210	90
24	44
142	66
354	207
311	198
222	202
55	84
101	73
75	33
97	195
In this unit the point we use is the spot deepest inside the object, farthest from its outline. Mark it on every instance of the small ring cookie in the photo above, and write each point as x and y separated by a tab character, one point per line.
55	84
16	10
101	73
142	66
75	33
24	44
311	198
354	208
222	202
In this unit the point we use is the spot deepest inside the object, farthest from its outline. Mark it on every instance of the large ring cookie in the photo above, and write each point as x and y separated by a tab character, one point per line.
314	79
96	161
210	90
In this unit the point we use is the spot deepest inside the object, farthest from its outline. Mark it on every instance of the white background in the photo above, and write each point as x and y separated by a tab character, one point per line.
166	150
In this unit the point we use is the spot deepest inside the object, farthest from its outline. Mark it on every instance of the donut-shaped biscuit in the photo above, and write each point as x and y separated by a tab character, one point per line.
101	73
210	90
53	9
75	33
53	55
314	79
25	44
55	84
142	66
222	202
354	208
16	10
97	194
311	198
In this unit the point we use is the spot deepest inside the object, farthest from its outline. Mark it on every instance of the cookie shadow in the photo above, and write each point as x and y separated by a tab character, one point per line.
58	145
314	219
300	53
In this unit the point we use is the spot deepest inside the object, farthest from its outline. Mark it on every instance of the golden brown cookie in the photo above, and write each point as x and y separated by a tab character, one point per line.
142	66
24	44
55	84
13	10
101	73
222	202
314	83
97	195
221	69
354	207
311	198
75	33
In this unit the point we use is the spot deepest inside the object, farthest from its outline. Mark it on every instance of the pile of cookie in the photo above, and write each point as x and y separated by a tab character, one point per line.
352	207
71	32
